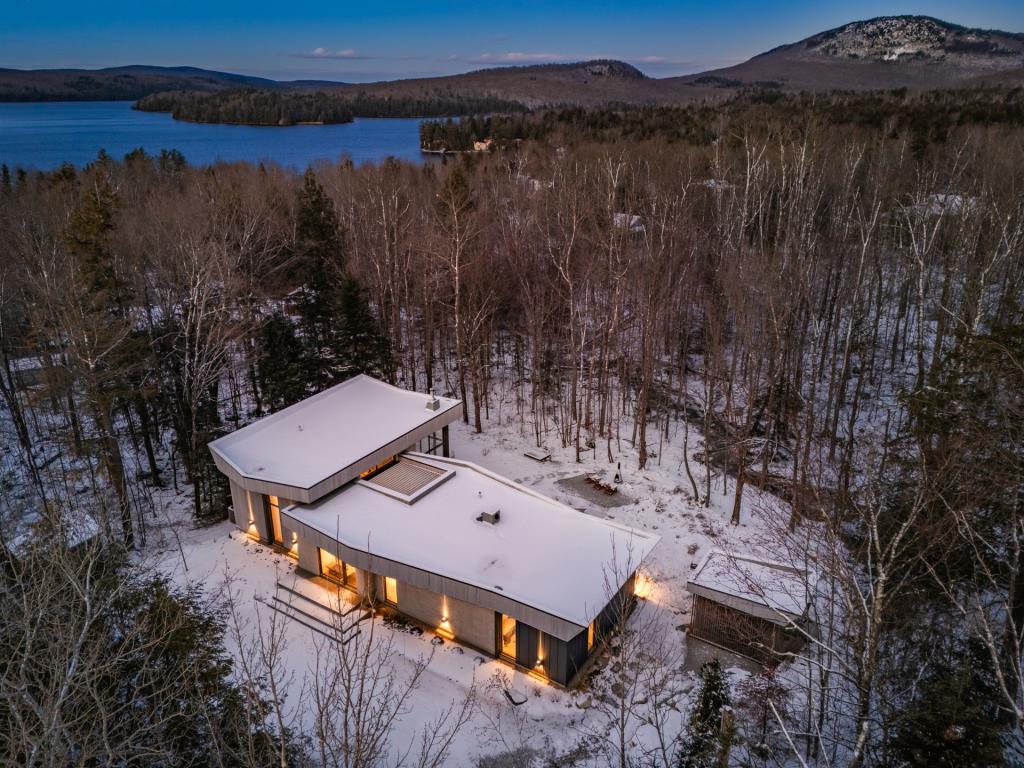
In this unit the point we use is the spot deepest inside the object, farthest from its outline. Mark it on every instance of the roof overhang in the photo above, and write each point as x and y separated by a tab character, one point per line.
307	495
359	423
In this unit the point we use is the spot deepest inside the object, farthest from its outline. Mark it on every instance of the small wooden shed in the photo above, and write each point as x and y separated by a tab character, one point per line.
756	608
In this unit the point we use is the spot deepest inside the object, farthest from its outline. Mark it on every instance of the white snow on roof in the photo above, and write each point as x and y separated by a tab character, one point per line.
541	553
322	435
774	585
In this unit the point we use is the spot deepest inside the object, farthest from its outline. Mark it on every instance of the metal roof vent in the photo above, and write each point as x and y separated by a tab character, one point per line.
433	403
490	517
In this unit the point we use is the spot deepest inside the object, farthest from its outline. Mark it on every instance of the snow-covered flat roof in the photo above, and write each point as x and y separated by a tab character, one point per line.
774	586
308	442
541	553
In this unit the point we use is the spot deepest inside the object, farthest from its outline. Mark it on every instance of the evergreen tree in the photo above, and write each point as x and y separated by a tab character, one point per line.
281	367
317	266
171	162
149	672
953	720
98	335
707	738
359	344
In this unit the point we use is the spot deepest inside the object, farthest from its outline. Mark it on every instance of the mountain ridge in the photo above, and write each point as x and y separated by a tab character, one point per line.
884	52
880	53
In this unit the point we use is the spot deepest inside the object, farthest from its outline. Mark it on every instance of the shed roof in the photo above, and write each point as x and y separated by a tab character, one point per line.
762	588
541	553
322	435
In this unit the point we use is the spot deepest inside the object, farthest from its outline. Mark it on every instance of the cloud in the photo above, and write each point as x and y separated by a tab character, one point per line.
511	57
325	53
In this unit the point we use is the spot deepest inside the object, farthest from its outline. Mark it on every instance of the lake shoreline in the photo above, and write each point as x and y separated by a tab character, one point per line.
42	135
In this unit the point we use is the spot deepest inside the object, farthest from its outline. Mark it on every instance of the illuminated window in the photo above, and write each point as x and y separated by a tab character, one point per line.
391	590
508	636
275	518
336	570
590	636
378	467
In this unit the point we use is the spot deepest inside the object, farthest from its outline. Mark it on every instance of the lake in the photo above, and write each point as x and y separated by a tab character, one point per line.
43	135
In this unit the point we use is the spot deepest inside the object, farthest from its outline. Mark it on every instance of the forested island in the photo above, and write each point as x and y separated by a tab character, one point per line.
262	106
249	106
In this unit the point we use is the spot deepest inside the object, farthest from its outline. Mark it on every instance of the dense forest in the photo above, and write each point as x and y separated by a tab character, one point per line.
252	106
928	116
113	84
248	106
822	294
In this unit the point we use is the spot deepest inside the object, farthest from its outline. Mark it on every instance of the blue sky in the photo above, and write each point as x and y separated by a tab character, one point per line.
384	39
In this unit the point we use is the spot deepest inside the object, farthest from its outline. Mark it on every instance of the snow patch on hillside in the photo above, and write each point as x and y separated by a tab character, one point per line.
916	39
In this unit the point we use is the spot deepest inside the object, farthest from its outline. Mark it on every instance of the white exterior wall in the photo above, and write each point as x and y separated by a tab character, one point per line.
255	510
240	504
310	539
469	624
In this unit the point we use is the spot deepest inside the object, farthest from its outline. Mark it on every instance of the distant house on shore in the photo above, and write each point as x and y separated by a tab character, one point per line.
357	483
629	221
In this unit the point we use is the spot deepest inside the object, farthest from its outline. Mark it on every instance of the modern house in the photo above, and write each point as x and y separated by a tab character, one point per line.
359	485
756	608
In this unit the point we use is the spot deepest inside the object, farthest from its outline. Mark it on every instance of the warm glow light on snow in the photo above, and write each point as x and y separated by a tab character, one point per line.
644	586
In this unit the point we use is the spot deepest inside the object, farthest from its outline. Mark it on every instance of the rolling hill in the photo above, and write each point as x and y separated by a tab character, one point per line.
115	83
917	52
586	84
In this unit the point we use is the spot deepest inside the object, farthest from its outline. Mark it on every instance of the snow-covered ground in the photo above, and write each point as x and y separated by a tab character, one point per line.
553	722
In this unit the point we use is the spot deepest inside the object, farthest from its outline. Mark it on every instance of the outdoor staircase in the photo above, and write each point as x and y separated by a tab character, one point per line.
300	605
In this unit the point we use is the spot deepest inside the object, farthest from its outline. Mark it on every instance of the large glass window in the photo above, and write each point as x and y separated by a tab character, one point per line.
434	443
391	590
590	636
275	518
508	636
331	567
